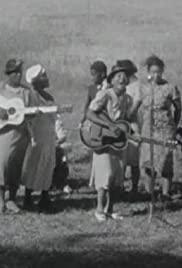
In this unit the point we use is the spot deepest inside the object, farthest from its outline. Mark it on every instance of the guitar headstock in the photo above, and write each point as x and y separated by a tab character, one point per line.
67	108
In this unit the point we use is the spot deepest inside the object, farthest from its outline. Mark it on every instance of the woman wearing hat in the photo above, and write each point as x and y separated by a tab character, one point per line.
13	139
116	103
165	102
40	159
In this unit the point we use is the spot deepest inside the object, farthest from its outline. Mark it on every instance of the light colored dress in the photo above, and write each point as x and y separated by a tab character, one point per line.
164	125
109	167
40	160
13	141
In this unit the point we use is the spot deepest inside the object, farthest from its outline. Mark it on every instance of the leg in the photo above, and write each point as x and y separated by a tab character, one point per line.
28	202
135	172
11	205
101	196
12	193
109	202
2	197
45	202
166	187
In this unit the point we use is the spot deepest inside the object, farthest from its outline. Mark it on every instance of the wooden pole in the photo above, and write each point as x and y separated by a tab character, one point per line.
152	202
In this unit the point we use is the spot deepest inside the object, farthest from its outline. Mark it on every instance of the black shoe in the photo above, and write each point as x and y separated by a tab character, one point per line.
28	204
45	205
165	198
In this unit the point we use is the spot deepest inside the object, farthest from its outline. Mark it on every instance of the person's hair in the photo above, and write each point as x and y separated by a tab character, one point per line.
99	67
154	61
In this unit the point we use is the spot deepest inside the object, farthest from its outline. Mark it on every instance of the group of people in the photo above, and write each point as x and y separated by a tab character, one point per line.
152	106
27	151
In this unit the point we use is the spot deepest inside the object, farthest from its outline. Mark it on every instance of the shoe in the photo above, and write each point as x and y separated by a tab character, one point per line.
2	207
28	204
115	216
100	216
165	198
12	207
45	205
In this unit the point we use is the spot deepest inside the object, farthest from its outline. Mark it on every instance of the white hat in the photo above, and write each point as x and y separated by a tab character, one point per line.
33	72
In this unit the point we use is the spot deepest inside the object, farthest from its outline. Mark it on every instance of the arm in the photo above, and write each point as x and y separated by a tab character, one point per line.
96	118
96	112
134	109
87	103
175	99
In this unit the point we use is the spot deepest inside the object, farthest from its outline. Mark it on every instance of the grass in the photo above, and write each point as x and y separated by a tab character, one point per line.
65	38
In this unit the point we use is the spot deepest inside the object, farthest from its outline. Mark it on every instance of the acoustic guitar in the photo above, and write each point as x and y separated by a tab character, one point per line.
100	139
16	111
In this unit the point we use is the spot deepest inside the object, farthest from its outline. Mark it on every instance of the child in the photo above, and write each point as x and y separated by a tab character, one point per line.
98	71
61	170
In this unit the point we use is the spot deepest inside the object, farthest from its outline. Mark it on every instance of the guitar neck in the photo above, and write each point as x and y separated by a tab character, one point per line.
49	109
170	143
42	109
154	141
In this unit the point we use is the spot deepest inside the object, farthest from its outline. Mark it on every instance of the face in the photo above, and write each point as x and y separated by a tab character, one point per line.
43	80
97	77
15	78
155	73
119	82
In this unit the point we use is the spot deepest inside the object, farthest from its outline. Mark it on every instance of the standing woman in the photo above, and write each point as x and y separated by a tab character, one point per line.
166	115
13	139
108	166
40	158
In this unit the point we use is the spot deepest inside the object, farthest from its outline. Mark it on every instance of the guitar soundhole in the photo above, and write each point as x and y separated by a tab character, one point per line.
11	111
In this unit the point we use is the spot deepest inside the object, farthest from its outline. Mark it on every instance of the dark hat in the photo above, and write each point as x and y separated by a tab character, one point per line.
99	66
116	69
128	64
13	65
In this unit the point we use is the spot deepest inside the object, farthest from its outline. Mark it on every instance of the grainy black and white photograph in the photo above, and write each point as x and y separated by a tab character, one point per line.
90	134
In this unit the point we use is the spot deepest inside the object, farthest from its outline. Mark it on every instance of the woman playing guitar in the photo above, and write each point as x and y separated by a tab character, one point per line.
115	103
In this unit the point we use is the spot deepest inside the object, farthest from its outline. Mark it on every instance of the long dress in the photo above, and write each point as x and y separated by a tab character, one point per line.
163	126
40	160
109	167
13	141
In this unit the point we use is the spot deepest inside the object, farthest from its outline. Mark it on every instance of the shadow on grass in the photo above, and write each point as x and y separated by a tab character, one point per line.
106	258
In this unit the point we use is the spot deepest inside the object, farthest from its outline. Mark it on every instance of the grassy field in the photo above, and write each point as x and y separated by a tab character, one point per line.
65	36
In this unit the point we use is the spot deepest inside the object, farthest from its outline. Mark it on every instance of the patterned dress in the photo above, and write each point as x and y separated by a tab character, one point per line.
40	160
163	125
13	141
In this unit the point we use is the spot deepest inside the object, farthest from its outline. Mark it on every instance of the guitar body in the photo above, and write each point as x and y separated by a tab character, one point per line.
100	139
16	111
14	108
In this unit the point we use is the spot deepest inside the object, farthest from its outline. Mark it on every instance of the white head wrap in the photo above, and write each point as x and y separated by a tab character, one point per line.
33	72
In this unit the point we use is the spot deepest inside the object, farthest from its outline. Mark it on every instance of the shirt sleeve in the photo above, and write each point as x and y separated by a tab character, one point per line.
174	93
100	101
